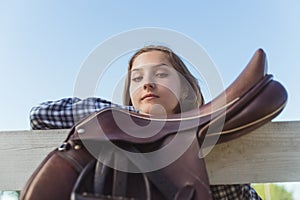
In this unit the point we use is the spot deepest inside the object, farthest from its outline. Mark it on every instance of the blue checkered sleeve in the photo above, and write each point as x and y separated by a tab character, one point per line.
64	113
234	192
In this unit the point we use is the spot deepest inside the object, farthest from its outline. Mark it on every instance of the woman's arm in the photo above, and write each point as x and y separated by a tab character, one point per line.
64	113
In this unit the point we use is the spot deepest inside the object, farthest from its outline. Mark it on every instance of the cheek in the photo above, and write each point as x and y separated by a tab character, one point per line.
173	84
174	89
134	94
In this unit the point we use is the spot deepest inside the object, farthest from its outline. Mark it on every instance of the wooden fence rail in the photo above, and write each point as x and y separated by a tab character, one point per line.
268	154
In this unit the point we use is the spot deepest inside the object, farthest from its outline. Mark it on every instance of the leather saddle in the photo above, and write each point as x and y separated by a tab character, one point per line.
117	154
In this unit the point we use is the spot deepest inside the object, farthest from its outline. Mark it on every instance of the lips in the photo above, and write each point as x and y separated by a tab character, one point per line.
149	97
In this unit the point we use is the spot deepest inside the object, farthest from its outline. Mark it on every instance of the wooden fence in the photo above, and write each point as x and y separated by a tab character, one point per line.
268	154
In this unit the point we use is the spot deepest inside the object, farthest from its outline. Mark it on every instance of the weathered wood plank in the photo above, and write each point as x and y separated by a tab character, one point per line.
22	151
269	154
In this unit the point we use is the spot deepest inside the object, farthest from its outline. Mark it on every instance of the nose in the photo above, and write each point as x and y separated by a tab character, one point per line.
148	81
149	86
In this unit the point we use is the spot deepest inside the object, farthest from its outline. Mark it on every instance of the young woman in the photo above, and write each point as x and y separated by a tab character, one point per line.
158	83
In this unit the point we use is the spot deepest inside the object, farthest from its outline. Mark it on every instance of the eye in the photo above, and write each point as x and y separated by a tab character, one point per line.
161	75
137	78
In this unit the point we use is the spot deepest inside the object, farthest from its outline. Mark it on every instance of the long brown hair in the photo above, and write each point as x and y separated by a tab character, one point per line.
192	99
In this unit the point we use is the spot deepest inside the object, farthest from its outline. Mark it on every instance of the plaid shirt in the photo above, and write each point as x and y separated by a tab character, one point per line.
64	113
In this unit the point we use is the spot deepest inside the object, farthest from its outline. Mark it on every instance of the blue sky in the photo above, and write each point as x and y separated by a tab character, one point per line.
44	43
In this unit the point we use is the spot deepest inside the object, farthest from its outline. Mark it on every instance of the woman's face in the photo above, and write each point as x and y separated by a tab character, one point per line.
154	85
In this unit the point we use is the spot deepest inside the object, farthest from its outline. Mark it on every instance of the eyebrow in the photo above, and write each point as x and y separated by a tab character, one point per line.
156	66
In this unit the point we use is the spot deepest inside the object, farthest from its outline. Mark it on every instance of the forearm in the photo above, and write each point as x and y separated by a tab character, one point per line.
64	113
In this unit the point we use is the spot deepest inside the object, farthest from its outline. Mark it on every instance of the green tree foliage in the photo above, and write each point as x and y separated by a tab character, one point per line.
272	192
11	195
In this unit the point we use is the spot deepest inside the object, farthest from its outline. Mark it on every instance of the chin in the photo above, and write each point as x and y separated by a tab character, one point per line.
158	110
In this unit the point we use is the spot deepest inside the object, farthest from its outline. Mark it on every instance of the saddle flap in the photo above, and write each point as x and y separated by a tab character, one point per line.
254	71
